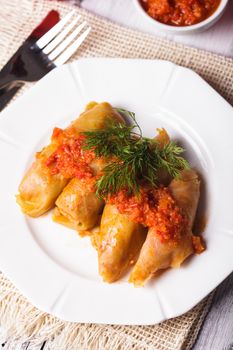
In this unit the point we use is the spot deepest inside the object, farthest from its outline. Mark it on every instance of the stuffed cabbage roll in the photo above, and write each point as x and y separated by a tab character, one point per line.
155	254
39	188
78	207
162	138
117	243
120	239
96	116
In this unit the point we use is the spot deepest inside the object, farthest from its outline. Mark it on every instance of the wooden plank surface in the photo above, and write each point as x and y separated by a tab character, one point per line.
217	330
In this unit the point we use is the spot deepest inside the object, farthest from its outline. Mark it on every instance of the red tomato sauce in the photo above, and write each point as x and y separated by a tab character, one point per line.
69	159
153	208
180	12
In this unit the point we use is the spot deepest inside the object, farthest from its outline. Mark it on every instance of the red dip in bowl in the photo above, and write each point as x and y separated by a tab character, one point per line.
180	12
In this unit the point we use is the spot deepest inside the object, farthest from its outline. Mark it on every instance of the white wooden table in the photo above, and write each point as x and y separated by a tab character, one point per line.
217	330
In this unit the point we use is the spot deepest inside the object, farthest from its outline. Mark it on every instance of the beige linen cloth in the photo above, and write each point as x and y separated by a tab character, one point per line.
21	321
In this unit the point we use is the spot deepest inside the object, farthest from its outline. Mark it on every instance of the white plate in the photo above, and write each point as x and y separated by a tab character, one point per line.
55	268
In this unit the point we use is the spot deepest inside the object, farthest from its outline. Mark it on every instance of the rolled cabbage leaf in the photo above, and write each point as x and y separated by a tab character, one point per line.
118	243
156	255
39	189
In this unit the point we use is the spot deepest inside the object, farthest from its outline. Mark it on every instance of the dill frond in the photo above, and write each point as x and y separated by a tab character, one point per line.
135	159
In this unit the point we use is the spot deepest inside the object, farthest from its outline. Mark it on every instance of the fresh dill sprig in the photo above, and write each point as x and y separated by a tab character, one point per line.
116	177
130	115
135	164
134	159
169	158
108	142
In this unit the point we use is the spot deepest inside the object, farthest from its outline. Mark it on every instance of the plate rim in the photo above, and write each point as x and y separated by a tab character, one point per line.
68	68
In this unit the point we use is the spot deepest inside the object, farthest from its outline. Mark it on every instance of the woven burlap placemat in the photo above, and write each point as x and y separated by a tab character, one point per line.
21	321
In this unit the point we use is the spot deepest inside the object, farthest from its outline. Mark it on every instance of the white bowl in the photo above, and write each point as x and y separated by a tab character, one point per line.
195	28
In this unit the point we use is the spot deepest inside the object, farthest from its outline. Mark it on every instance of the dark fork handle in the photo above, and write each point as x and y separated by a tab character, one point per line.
7	93
8	84
9	73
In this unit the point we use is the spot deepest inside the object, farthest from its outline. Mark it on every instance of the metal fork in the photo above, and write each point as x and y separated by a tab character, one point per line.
34	59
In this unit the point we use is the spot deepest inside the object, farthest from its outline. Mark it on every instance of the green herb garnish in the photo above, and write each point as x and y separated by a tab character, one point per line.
110	141
134	158
169	159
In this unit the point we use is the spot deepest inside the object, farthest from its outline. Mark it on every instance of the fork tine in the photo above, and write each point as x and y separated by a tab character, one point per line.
66	42
72	48
45	39
47	49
